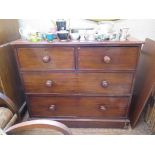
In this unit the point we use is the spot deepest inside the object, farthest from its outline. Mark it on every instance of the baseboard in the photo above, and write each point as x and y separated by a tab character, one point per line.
91	123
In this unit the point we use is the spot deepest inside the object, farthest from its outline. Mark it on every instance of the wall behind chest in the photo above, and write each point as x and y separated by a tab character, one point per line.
138	28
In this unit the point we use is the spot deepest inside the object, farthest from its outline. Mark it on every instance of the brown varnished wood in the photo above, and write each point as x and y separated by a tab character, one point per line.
115	123
120	58
145	80
89	123
130	42
10	81
8	102
41	124
34	58
114	107
1	89
8	30
118	83
95	123
85	86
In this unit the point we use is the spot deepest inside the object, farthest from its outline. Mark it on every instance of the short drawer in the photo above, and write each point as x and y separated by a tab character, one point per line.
113	107
105	83
46	58
108	58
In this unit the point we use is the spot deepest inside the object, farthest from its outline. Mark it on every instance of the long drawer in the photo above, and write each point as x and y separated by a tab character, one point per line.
105	83
47	106
46	58
108	58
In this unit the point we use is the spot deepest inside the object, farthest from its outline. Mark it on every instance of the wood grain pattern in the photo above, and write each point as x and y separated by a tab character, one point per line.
118	83
115	107
10	76
145	80
10	83
32	58
90	87
121	58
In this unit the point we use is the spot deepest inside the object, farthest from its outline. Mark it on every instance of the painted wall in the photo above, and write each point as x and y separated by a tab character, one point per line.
45	25
138	28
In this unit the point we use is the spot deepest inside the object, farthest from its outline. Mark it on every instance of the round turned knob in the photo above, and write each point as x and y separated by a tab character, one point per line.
49	83
46	59
52	107
104	84
102	107
107	59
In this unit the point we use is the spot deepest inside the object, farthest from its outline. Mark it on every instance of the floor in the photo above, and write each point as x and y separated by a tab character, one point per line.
140	129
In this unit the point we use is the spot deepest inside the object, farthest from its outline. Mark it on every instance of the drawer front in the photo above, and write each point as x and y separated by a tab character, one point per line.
106	83
78	106
108	58
46	58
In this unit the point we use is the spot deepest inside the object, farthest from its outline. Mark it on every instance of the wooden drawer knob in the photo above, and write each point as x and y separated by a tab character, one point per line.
104	84
107	59
49	83
52	107
102	107
46	59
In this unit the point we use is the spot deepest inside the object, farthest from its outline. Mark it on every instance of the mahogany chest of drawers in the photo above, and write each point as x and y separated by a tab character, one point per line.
82	84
